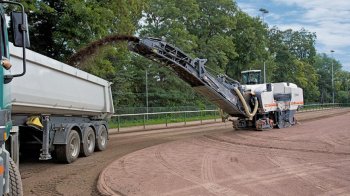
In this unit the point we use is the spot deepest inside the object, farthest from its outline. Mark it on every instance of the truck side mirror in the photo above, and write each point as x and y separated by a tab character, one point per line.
18	28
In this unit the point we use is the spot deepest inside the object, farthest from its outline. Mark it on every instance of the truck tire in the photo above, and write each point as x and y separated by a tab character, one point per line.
68	153
88	145
15	183
101	138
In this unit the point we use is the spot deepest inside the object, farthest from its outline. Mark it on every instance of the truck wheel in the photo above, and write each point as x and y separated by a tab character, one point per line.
69	152
88	145
16	188
101	139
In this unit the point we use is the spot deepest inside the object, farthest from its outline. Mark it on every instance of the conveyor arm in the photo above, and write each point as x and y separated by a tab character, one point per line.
221	90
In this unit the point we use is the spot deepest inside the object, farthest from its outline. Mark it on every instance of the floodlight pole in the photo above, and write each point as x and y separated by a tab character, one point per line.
147	93
264	11
332	51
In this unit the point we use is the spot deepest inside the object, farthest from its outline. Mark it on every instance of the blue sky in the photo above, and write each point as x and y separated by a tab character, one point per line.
330	20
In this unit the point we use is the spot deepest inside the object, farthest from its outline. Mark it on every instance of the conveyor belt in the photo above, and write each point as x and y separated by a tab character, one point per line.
217	90
191	71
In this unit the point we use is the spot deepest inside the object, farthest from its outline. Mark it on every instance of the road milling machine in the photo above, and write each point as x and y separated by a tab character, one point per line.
262	106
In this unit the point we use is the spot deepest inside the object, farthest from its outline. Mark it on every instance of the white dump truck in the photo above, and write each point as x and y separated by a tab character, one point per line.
59	107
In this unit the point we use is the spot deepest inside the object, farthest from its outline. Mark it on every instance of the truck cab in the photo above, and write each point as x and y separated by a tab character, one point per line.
5	106
251	77
8	166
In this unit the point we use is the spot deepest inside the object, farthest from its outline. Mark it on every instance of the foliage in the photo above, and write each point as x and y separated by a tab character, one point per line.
323	65
59	28
294	53
199	28
250	38
219	31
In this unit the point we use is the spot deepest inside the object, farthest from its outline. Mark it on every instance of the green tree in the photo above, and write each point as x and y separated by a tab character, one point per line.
294	53
187	25
250	38
323	65
219	31
59	28
301	44
212	28
342	86
199	28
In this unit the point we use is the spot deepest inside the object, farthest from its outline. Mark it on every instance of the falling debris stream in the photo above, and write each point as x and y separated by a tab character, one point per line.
91	48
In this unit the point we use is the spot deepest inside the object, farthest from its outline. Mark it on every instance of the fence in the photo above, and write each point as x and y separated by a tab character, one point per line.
138	110
324	106
143	119
160	116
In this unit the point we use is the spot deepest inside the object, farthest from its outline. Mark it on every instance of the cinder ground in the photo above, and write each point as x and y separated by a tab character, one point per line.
309	159
312	158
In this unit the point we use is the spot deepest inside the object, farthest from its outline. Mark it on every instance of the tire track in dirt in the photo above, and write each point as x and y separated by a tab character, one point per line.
270	139
303	172
296	171
266	141
336	140
279	174
338	191
266	146
207	173
208	177
229	147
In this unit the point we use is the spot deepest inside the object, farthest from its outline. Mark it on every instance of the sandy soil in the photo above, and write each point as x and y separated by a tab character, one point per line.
311	158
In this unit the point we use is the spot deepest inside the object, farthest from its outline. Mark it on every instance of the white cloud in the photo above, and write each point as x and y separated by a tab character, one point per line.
248	8
329	34
252	10
338	4
330	20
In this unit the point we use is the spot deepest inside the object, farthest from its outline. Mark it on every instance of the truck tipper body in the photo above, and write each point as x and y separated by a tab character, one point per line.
59	107
54	88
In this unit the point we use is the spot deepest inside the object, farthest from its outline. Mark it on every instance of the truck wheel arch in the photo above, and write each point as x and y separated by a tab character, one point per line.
61	136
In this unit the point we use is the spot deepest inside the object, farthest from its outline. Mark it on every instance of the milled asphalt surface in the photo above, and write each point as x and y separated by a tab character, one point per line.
312	158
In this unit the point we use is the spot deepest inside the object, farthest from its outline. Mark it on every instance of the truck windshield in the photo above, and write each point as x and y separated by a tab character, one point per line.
251	77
